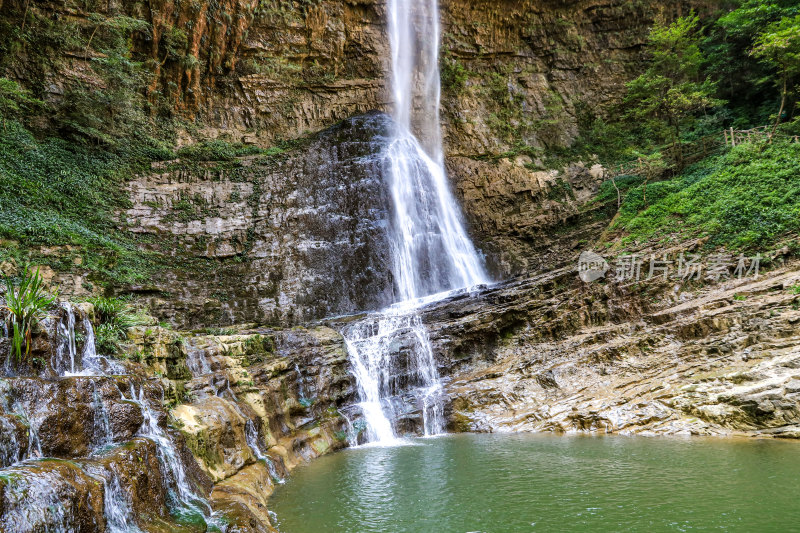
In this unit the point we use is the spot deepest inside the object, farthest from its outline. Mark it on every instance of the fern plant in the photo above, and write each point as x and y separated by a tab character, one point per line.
25	306
116	315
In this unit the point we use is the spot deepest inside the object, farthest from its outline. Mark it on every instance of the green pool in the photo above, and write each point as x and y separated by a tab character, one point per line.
509	483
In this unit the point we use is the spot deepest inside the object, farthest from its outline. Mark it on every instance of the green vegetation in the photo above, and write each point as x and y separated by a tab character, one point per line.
116	315
453	74
747	197
64	160
25	306
739	68
667	98
744	79
257	348
216	150
59	193
104	104
779	48
15	101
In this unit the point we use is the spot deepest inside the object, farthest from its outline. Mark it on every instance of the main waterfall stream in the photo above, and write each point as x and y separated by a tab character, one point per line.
431	252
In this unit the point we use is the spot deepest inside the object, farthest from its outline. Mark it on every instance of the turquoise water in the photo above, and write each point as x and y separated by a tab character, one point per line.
509	483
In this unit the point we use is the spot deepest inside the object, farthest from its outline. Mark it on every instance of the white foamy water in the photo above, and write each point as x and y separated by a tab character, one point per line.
432	254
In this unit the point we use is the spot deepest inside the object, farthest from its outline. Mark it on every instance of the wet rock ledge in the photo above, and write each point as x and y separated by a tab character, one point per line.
193	435
551	353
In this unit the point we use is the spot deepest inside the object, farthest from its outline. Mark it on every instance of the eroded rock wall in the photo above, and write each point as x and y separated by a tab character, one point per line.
552	353
272	239
514	73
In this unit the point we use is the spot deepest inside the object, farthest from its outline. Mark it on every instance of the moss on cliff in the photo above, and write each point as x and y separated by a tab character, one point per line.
745	198
57	193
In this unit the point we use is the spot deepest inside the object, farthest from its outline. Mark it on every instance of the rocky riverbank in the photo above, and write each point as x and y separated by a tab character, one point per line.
240	408
555	354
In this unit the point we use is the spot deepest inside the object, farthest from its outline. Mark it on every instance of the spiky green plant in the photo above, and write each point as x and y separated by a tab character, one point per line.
116	315
25	306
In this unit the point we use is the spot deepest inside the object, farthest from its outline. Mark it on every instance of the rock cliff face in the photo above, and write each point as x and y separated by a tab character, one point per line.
272	239
552	353
277	69
514	72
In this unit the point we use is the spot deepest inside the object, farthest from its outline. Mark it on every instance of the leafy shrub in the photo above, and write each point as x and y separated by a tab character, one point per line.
25	305
745	198
116	315
15	100
453	74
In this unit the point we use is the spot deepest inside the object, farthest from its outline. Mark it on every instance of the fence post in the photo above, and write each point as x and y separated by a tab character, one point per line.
733	139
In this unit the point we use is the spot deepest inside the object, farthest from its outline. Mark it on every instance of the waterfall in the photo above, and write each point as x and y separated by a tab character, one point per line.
67	342
66	361
432	255
185	501
102	420
117	506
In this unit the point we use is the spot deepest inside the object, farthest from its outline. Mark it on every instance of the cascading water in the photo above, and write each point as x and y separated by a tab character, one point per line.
185	500
432	254
67	342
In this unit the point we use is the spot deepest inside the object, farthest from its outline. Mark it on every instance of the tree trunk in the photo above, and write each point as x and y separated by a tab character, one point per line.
783	104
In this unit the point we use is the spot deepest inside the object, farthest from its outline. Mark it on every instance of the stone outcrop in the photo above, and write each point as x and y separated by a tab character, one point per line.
272	239
256	404
552	353
79	444
218	417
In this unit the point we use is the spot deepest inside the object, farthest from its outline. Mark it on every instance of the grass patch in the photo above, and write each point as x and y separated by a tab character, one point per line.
60	193
116	315
216	150
745	198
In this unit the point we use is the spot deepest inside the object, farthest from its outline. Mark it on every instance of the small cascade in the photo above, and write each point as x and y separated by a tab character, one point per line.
305	400
13	407
392	357
197	362
432	255
352	430
250	433
251	436
11	450
66	348
92	363
67	361
30	502
184	499
9	355
102	422
250	430
117	504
